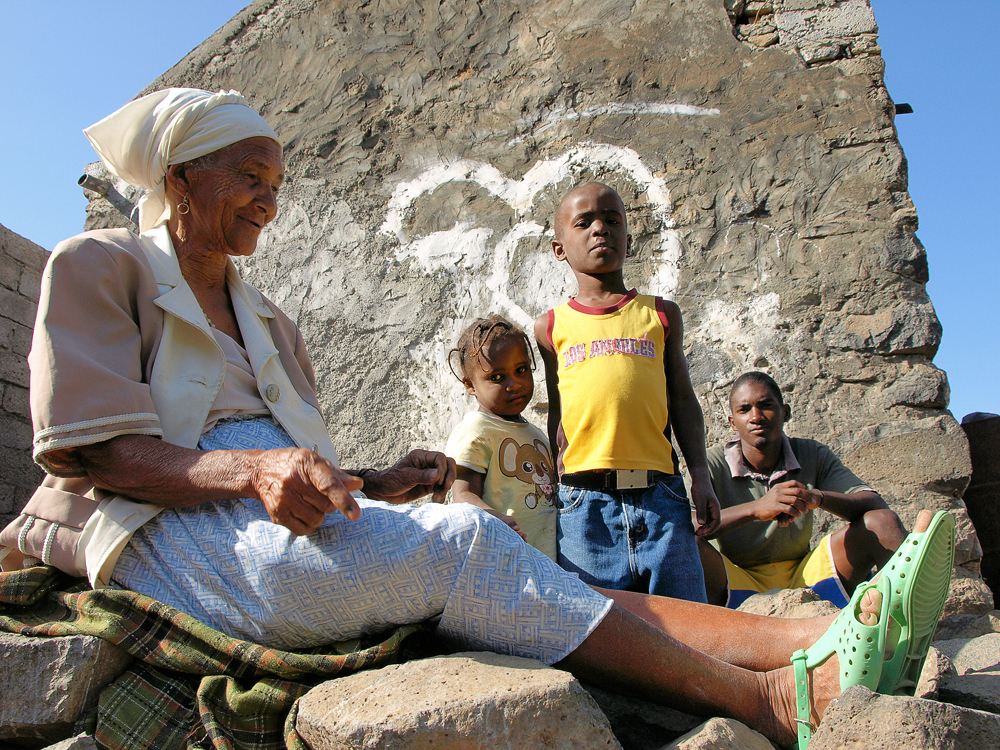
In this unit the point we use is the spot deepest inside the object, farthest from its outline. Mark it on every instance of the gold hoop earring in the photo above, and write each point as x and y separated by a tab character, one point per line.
184	207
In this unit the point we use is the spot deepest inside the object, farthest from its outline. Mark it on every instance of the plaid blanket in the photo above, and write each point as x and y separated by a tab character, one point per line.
190	686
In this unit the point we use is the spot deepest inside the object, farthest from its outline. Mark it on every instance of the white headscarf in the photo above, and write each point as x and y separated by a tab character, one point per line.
139	141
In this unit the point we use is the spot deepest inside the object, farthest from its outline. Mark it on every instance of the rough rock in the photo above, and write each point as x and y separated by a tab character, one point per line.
969	595
722	734
921	454
863	719
640	725
974	678
968	550
46	683
936	667
923	386
466	701
80	742
822	34
788	603
427	145
967	626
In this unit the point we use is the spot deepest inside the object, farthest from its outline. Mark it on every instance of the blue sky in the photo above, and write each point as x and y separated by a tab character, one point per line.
69	63
943	60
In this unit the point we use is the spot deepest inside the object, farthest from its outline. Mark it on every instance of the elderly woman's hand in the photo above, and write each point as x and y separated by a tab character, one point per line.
417	474
299	487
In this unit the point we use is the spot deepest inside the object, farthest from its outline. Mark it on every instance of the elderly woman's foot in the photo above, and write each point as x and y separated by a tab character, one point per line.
817	626
917	578
823	682
865	623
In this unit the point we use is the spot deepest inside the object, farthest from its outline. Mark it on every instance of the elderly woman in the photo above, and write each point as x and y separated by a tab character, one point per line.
175	412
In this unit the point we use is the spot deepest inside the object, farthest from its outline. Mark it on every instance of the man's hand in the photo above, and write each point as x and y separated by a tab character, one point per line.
785	502
299	487
417	474
707	512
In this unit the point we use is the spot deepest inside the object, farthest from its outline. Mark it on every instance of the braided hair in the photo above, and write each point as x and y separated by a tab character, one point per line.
476	340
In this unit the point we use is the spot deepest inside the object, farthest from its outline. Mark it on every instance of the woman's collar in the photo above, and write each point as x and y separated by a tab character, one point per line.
160	253
162	258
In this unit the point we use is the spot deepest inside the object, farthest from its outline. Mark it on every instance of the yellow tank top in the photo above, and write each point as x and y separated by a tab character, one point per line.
612	385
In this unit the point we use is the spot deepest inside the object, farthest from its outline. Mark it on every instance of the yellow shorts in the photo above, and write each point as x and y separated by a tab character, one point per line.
816	571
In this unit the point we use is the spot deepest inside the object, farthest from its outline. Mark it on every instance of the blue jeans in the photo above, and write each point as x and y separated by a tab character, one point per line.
633	540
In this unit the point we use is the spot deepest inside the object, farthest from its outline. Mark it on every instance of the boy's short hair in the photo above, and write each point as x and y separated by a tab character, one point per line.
761	378
477	338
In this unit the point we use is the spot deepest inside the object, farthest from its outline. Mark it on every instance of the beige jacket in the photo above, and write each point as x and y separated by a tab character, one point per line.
121	346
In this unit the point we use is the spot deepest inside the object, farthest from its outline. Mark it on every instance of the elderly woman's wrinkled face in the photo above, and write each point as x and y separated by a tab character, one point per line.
233	195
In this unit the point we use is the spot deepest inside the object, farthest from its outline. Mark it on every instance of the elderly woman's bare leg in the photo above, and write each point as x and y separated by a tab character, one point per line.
628	655
763	643
635	653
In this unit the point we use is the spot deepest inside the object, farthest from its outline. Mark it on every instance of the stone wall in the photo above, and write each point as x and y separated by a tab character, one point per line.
983	494
428	143
21	264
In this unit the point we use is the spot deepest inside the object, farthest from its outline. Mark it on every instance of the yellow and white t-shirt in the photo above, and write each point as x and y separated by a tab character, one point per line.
520	479
612	385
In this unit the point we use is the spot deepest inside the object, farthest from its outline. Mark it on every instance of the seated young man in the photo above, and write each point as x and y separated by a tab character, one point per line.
769	485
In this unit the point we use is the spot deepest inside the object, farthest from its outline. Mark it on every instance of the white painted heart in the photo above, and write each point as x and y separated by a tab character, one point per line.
465	246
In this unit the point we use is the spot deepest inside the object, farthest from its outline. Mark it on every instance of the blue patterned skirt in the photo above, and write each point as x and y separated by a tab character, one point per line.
229	566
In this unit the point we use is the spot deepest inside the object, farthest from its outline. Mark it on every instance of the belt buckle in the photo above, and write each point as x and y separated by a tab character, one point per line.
632	479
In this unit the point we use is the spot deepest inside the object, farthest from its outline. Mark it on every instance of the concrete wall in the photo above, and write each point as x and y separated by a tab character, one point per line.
21	264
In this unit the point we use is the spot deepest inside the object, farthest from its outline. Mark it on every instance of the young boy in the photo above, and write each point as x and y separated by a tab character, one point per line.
617	383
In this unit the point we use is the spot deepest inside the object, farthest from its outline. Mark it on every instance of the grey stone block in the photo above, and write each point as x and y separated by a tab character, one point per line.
15	400
10	272
974	679
46	683
30	285
17	307
22	250
80	742
721	734
863	719
473	701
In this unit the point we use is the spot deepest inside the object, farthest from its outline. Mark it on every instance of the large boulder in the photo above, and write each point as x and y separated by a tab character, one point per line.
973	679
863	719
46	683
721	734
473	701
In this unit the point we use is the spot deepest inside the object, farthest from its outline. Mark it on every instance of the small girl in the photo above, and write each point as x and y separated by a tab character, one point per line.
503	462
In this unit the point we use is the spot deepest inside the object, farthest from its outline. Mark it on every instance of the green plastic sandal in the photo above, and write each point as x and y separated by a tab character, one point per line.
859	649
919	574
